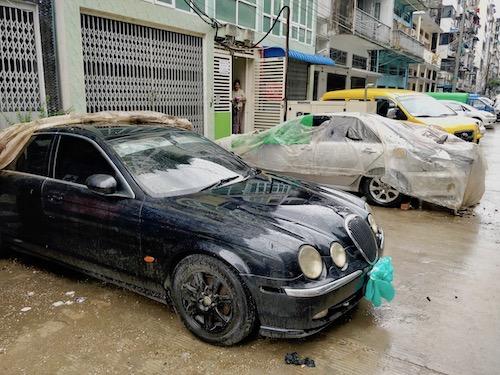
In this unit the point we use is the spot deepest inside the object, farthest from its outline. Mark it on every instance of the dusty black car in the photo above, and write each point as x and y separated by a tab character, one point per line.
173	216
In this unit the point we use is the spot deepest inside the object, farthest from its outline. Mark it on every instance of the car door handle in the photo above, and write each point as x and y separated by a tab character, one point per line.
55	198
369	151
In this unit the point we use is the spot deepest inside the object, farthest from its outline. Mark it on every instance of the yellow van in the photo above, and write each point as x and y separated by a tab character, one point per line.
415	107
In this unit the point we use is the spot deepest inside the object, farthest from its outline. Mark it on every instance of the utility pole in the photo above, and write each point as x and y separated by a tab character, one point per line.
458	55
490	43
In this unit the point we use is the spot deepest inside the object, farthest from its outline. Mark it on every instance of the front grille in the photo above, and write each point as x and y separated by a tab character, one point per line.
465	135
362	236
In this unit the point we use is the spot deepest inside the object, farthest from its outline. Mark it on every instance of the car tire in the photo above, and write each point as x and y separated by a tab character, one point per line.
388	196
212	301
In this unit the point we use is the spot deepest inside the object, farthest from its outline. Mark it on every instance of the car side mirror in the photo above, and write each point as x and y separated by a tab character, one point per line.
392	113
353	135
101	184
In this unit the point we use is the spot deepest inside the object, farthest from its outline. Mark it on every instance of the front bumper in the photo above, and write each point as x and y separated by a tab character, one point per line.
289	311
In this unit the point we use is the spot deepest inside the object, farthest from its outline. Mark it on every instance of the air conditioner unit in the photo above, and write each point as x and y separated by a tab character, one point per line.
230	31
247	37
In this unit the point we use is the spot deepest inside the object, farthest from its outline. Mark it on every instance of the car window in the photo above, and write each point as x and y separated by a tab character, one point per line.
478	104
170	163
77	159
383	106
424	106
34	159
455	107
342	129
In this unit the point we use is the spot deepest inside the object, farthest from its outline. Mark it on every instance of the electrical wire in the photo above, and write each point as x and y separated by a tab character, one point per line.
272	26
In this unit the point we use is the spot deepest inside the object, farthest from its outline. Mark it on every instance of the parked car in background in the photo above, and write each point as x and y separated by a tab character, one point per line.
413	107
171	215
487	119
360	152
477	101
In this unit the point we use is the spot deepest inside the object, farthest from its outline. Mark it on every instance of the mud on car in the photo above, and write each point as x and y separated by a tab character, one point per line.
171	215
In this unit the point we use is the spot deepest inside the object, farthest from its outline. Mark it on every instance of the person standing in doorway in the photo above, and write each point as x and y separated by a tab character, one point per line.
239	100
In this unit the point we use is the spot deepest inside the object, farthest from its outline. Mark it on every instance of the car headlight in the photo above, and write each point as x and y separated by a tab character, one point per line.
310	262
373	223
337	252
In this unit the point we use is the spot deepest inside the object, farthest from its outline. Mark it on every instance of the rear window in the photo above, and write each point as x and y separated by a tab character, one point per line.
34	159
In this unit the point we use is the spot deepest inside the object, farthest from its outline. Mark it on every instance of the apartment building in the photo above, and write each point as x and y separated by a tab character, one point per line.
485	57
349	31
387	43
426	27
451	23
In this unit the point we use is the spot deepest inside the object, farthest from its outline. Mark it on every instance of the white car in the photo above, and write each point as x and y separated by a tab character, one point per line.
367	153
487	118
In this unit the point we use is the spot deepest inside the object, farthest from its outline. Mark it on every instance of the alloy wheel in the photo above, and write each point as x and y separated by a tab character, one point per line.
207	301
382	192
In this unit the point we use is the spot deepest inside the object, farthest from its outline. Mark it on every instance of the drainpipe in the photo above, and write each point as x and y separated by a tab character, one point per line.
355	3
287	48
458	55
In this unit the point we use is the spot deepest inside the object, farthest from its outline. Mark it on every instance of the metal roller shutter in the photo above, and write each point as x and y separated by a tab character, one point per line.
134	67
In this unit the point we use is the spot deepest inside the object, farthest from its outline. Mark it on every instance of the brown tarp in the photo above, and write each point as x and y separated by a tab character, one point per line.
14	138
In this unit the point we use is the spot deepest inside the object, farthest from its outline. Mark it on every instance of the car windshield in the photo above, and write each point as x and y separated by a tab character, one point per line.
169	162
424	106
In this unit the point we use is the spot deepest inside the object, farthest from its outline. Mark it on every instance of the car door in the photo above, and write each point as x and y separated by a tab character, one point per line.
346	151
85	225
20	193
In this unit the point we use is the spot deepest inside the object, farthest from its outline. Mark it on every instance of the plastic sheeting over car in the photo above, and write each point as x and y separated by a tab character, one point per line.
14	138
420	161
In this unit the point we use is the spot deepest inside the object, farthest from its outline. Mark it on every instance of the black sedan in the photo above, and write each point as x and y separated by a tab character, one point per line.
171	215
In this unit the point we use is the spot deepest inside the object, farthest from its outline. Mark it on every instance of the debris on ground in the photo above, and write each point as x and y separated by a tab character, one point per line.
58	303
25	309
295	359
31	294
80	299
428	298
68	302
70	294
405	206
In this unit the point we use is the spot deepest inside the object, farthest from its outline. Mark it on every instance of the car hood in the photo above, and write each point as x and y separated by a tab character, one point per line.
486	114
268	211
448	122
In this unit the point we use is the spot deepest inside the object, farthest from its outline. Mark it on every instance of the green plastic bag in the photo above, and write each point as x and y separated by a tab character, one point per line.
293	132
380	282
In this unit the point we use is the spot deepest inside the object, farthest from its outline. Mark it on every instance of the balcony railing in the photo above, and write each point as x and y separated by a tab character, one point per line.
406	43
372	28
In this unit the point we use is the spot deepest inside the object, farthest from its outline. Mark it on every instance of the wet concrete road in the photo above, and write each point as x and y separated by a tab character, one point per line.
455	261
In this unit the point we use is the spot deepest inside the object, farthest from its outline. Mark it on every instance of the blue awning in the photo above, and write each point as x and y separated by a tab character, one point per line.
296	55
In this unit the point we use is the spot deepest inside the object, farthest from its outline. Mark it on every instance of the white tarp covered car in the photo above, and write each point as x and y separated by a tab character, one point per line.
380	157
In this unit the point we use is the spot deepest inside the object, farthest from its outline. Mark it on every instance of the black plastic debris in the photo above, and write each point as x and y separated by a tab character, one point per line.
295	359
429	299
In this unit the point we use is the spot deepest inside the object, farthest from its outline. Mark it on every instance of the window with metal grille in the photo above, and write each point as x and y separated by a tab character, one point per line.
340	57
359	62
21	72
133	67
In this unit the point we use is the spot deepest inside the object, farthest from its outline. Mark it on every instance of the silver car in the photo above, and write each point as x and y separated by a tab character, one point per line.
487	118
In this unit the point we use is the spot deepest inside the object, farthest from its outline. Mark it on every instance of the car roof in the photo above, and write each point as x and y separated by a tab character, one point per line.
108	131
371	92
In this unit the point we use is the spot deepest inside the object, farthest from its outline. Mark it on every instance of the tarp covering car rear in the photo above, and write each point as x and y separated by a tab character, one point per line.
420	161
14	138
